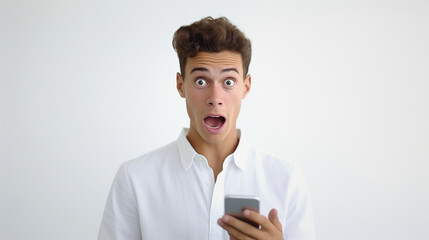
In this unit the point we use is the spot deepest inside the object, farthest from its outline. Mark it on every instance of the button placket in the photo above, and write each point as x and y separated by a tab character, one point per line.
217	208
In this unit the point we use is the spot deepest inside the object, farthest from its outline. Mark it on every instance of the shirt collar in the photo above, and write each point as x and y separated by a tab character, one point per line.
240	154
187	152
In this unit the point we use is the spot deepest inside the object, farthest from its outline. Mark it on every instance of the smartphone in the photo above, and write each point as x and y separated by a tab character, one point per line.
235	204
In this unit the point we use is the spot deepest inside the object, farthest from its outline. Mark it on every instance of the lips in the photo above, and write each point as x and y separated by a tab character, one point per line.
214	123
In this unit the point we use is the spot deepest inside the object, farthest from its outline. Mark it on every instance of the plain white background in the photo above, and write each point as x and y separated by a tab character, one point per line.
340	87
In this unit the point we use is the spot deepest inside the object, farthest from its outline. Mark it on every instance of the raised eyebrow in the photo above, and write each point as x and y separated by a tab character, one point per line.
199	69
206	70
230	69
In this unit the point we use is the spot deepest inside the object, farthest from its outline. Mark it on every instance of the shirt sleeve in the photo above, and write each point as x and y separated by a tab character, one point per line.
120	219
299	219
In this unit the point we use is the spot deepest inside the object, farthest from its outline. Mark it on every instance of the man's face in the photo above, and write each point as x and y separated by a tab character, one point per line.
214	86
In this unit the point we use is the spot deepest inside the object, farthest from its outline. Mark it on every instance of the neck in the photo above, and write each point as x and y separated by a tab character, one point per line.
216	152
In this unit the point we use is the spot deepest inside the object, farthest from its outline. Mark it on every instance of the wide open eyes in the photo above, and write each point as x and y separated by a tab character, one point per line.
201	82
229	82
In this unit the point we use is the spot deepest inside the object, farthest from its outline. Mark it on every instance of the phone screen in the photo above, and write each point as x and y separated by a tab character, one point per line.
235	204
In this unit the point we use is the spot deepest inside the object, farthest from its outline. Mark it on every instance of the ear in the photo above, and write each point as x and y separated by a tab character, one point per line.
247	85
180	85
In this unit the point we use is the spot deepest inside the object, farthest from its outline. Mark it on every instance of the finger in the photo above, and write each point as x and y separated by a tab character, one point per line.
233	232
239	229
259	219
273	216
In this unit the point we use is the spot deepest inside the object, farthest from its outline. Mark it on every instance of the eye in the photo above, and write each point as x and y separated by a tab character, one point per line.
229	82
201	82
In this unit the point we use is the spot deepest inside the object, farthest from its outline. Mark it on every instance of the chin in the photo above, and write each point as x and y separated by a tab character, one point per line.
214	138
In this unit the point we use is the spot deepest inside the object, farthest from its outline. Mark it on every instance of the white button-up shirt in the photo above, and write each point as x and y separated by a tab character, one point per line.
171	193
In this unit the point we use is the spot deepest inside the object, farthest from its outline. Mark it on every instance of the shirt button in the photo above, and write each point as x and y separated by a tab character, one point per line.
208	183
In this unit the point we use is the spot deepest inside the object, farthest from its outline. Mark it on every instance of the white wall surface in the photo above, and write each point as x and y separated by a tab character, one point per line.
340	87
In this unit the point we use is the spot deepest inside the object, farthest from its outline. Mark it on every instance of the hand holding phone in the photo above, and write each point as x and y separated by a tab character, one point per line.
235	204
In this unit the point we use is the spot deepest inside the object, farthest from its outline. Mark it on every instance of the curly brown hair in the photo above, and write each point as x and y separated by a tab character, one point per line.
211	35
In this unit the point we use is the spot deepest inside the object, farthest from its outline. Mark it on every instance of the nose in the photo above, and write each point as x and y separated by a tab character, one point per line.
215	96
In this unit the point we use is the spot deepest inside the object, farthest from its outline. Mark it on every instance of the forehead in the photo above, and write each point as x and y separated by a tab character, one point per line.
216	60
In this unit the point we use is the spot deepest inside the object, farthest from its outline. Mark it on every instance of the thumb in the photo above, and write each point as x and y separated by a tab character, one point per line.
273	216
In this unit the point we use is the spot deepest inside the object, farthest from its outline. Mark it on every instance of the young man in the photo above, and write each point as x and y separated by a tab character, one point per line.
177	191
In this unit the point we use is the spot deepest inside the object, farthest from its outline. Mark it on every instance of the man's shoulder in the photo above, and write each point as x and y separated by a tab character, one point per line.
271	159
153	158
283	171
274	163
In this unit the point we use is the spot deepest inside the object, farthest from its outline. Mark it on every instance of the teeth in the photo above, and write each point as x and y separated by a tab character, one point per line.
214	127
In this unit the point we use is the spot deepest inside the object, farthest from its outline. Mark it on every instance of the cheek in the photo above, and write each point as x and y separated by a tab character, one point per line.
192	97
235	104
194	102
238	107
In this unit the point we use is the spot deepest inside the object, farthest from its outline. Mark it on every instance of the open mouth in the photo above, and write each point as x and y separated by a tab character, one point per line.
214	121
